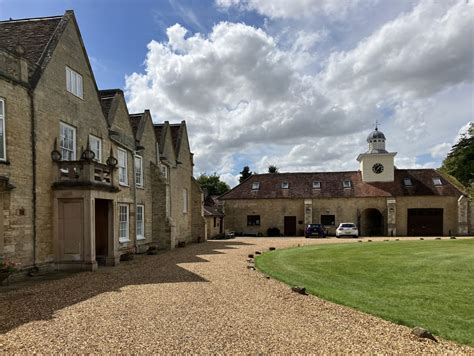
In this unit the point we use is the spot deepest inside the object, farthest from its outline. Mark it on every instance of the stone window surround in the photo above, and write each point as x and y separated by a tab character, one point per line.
185	201
253	220
94	140
2	128
140	222
123	165
78	91
139	171
69	149
124	218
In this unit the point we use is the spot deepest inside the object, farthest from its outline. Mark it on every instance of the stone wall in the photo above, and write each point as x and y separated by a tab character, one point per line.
272	212
16	186
198	223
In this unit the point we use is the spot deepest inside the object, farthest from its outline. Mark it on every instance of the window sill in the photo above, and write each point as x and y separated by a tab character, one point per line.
140	187
141	238
122	241
5	162
124	185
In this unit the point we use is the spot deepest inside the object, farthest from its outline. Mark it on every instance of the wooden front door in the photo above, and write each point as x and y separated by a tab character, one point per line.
290	225
101	229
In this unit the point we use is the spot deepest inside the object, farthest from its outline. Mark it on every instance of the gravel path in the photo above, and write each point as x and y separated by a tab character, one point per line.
198	299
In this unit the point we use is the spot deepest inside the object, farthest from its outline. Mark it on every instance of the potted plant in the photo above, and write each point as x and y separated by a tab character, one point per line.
7	267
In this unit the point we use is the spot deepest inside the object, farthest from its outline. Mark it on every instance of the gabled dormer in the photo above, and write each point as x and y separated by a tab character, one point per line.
181	144
165	143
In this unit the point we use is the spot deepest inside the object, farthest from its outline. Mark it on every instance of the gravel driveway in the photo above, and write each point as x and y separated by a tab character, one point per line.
198	299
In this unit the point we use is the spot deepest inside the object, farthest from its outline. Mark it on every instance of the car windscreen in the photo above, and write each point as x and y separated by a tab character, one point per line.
347	225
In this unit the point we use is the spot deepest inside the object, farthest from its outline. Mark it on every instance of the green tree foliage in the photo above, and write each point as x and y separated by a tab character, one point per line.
213	184
460	160
245	174
272	169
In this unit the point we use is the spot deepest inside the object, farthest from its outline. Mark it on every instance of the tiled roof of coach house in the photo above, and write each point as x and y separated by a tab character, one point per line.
300	185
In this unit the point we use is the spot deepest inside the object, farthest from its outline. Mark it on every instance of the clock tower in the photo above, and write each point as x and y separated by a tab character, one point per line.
377	165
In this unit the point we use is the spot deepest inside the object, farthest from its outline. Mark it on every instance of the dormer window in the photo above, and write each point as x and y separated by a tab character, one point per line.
407	182
316	184
437	181
74	83
346	183
255	186
285	185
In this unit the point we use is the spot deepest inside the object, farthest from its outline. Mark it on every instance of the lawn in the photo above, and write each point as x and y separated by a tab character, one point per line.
414	283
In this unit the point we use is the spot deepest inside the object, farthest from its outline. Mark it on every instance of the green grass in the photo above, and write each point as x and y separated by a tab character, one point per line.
414	283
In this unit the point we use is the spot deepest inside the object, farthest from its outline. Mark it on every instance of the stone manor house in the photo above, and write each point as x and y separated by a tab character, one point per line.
83	181
379	198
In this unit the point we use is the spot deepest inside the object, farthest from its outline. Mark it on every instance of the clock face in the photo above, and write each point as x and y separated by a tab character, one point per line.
377	168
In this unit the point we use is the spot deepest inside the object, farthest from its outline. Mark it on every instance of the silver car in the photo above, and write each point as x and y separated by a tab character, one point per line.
347	229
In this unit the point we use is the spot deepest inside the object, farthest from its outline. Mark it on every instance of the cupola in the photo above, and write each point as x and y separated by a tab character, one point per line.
376	140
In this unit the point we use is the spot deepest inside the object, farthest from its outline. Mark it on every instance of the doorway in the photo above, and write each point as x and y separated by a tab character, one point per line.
372	223
290	225
102	230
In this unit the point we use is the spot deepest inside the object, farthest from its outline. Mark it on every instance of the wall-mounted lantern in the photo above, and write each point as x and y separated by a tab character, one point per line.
88	154
55	154
111	161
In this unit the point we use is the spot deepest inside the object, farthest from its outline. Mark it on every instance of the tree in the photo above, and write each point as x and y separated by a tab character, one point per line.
272	169
460	160
245	174
213	184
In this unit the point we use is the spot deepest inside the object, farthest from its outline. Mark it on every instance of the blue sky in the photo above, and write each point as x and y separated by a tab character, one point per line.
116	32
298	83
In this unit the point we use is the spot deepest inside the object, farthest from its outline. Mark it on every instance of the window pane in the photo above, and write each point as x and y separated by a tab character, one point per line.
2	109
79	86
68	79
2	140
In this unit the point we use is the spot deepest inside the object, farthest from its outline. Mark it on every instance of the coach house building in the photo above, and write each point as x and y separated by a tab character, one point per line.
381	199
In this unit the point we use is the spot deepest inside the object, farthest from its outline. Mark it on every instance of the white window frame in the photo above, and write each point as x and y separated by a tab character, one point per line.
185	201
123	167
437	181
97	140
61	148
407	182
139	171
123	211
140	223
74	83
346	183
2	127
316	184
285	185
255	185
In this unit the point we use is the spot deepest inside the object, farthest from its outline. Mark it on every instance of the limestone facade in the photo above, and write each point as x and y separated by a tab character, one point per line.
64	206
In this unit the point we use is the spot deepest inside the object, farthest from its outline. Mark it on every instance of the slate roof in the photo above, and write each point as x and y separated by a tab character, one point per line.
32	34
301	185
175	135
135	120
106	98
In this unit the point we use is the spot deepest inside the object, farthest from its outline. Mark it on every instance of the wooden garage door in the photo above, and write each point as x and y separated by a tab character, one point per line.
425	222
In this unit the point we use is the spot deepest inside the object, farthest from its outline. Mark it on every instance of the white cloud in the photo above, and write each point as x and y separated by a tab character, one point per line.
245	94
293	8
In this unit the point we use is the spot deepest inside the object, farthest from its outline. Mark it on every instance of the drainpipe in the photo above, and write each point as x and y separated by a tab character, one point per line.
33	158
135	197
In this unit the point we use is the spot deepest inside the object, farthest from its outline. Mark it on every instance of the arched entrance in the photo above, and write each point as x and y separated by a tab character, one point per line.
371	223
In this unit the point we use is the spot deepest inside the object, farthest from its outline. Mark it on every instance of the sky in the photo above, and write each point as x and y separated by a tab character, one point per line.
298	84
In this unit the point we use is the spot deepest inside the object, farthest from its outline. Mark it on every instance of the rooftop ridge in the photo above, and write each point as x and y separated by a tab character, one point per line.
32	19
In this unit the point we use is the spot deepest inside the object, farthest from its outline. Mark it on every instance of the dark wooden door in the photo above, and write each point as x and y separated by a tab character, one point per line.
425	222
290	225
101	227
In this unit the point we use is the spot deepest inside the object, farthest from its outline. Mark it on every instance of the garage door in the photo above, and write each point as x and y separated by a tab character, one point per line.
425	222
